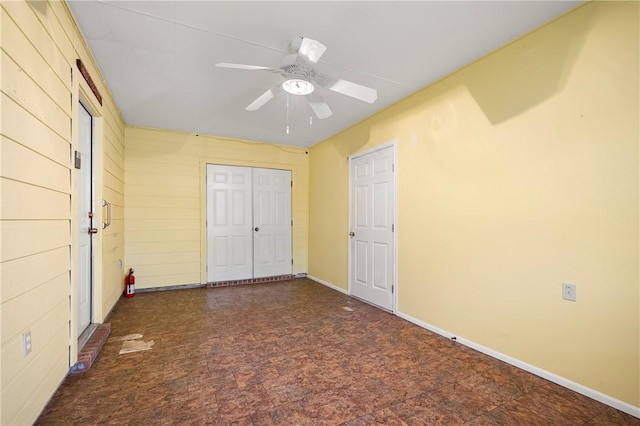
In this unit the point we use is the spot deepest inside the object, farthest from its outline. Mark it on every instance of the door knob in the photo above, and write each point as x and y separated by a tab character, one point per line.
93	230
352	234
256	229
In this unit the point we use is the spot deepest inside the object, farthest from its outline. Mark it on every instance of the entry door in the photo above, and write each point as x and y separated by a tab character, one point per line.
372	248
85	218
248	222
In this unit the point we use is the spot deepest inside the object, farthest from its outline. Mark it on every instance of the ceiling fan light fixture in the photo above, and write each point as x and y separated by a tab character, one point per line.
299	87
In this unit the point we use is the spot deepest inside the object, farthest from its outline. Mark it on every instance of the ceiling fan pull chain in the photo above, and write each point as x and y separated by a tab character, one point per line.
287	113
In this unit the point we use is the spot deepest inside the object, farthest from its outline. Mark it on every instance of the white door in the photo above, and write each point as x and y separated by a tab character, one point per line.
272	222
85	220
248	223
229	223
372	248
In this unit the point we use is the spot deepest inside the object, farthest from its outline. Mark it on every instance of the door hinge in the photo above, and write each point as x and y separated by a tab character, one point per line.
393	167
392	288
393	228
292	261
292	184
292	223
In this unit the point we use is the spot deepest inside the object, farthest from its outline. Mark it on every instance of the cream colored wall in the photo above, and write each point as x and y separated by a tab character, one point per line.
165	200
39	47
516	174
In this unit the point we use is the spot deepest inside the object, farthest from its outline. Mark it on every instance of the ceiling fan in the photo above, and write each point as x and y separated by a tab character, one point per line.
300	78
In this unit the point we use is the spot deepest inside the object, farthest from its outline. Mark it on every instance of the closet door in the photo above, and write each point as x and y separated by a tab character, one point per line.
229	223
272	222
248	223
372	244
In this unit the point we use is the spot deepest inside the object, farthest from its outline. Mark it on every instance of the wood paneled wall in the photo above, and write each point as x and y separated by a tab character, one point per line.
39	47
165	200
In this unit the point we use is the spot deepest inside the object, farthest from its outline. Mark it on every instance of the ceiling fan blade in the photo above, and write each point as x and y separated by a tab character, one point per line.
245	67
311	49
262	99
320	107
363	93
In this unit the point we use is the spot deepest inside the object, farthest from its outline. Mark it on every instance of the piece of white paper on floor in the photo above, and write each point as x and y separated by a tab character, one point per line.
130	343
130	337
129	346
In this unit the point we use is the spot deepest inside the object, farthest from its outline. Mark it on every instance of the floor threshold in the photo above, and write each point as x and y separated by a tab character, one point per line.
91	342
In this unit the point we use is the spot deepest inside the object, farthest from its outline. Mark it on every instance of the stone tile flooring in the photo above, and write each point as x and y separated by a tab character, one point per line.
288	353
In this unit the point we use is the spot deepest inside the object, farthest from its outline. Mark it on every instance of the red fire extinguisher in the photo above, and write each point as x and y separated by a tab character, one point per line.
130	284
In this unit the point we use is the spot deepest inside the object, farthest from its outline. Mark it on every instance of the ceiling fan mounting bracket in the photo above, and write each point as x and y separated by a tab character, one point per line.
294	44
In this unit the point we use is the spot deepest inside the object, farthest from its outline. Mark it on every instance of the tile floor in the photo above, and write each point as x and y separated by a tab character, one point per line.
288	353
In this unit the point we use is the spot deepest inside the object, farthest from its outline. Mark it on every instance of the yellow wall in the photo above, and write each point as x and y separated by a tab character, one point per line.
516	174
165	200
39	47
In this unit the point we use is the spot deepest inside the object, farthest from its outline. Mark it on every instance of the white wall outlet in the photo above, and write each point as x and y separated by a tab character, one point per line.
569	291
26	343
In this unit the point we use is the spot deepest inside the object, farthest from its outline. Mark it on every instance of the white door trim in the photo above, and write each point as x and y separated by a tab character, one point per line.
391	144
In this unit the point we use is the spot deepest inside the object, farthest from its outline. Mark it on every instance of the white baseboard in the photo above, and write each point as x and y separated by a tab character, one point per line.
591	393
328	284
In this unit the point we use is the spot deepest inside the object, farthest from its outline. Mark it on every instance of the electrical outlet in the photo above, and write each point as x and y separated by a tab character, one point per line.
569	291
26	343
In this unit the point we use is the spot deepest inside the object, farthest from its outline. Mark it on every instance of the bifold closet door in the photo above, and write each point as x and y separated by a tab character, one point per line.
248	222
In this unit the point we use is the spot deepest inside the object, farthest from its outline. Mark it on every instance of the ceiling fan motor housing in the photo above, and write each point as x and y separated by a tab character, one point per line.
293	67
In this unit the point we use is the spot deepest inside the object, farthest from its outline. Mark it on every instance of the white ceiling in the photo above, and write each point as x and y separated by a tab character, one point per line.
158	57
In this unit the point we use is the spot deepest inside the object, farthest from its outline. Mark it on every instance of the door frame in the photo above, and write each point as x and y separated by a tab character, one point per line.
394	148
83	93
